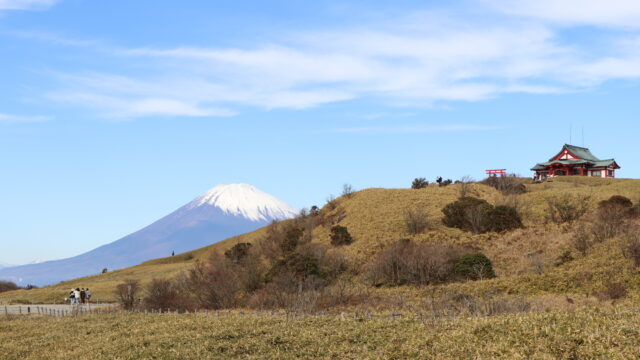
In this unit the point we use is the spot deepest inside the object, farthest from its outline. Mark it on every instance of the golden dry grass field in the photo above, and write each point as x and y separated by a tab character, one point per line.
585	333
536	308
375	218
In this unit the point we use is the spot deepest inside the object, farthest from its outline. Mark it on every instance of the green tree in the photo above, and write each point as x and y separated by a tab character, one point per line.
475	267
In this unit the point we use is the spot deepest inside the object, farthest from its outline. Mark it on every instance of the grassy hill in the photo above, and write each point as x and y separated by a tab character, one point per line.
523	259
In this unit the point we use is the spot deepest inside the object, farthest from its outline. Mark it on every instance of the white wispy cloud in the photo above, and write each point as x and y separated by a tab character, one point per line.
414	62
26	4
12	119
610	13
401	129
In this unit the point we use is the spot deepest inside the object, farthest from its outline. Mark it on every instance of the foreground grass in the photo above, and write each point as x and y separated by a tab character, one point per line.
611	333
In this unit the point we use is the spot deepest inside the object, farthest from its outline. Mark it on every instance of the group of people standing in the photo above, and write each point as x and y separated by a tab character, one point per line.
79	296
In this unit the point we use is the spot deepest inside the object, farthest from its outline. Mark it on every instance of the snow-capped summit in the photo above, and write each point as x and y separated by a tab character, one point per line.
246	201
222	212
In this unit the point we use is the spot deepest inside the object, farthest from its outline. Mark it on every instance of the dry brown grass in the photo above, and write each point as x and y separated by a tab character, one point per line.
581	333
376	218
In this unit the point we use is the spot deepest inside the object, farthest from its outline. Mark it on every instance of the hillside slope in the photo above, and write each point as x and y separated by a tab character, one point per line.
222	212
375	218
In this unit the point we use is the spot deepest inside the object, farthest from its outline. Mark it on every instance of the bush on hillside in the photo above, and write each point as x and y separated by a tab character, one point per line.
8	286
215	283
298	280
340	236
567	208
478	216
298	265
416	221
283	238
238	252
405	262
630	245
127	294
474	267
283	279
419	183
612	290
291	239
581	240
611	217
165	295
502	218
331	262
467	214
506	184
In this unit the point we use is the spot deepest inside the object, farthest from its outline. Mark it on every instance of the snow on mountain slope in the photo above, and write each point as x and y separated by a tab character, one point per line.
246	201
222	212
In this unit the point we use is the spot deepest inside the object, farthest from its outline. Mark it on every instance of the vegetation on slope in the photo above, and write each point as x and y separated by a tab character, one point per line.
526	260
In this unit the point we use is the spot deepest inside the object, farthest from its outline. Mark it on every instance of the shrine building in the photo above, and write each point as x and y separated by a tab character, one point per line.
575	161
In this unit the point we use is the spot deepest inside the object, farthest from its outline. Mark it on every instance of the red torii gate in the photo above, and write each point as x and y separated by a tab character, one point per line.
496	172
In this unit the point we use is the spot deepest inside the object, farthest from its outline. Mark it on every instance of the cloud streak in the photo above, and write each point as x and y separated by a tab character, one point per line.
15	119
26	4
611	13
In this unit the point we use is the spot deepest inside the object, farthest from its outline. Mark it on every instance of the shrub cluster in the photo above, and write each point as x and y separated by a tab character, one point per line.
278	271
8	286
567	208
474	267
419	183
612	216
478	216
405	262
506	184
340	236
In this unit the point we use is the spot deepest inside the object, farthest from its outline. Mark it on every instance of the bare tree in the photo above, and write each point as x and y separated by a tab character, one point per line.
476	217
347	191
126	293
464	185
416	221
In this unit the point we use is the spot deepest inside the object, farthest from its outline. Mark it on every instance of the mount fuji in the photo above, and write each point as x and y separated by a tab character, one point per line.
222	212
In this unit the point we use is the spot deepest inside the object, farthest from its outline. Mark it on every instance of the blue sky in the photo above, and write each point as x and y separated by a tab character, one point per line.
115	113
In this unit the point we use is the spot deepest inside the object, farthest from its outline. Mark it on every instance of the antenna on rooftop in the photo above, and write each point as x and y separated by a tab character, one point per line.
570	133
582	135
